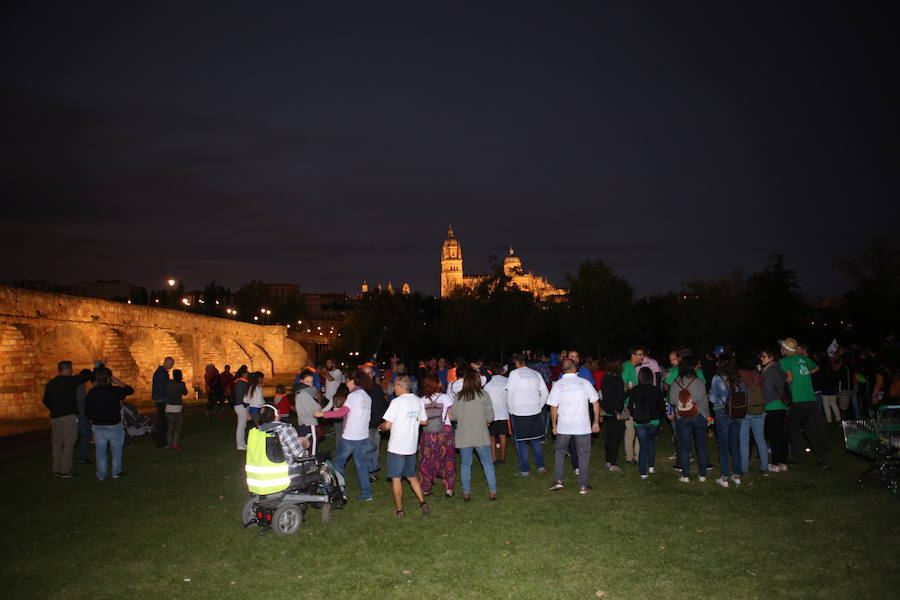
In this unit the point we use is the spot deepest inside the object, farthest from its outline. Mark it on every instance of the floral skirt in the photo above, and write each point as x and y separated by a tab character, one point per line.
438	459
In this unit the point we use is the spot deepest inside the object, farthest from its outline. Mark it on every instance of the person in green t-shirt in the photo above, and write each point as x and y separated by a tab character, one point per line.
804	416
629	376
672	372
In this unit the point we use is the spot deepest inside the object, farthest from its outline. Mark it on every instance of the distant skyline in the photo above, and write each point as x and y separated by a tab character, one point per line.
324	145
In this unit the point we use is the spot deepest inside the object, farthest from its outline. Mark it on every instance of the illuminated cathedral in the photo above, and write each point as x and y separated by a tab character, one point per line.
453	277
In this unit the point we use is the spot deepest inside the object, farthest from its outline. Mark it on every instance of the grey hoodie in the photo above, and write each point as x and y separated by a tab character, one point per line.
698	393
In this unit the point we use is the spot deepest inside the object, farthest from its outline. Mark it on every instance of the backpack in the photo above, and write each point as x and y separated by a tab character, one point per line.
756	402
435	413
686	406
737	403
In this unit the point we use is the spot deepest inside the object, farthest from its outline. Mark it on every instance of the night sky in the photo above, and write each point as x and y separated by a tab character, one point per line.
325	143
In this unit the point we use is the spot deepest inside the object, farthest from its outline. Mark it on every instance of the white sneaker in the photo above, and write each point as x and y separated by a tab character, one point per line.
773	468
645	477
684	479
702	479
651	470
736	480
578	471
722	482
782	467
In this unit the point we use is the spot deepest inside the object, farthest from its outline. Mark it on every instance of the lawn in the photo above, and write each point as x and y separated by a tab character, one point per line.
170	529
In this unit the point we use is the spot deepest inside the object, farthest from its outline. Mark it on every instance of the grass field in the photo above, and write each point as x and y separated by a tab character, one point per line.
170	529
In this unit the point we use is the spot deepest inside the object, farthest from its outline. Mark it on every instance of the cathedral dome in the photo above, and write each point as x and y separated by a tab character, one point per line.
512	263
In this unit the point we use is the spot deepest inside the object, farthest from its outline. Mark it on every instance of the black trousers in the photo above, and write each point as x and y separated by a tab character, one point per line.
808	417
615	434
161	431
776	433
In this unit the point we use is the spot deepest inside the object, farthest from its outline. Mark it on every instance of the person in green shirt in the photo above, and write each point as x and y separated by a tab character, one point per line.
629	376
804	416
672	373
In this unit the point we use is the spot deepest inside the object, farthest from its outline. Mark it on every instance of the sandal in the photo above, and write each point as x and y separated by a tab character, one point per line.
448	494
400	513
423	506
492	496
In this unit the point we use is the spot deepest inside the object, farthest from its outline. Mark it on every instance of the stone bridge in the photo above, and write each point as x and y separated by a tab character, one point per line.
39	329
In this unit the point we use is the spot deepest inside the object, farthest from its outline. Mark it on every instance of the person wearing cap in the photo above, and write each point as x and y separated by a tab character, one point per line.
804	416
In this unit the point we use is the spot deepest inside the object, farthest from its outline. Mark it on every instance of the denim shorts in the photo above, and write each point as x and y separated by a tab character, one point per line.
401	465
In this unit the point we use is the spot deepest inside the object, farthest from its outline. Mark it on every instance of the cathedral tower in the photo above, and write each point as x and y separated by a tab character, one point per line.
451	264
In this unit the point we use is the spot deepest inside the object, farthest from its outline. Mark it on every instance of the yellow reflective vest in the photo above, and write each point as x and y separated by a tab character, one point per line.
263	475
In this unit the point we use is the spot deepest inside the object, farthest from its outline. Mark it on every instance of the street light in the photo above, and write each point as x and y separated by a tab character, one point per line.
255	318
171	282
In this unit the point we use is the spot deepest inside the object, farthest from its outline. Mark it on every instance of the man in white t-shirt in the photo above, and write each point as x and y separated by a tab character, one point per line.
404	415
569	400
526	396
356	411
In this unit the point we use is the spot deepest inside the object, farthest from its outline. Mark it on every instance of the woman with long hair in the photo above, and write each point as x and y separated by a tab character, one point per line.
253	398
728	428
473	412
438	445
688	395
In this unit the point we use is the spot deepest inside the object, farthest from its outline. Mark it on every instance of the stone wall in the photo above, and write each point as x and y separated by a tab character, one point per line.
39	329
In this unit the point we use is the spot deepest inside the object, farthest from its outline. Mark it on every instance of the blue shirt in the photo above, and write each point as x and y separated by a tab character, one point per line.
585	373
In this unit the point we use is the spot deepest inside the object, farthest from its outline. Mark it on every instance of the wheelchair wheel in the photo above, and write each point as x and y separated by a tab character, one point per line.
287	520
248	513
327	512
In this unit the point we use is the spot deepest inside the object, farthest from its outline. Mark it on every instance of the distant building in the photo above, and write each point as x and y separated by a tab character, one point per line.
453	277
326	307
365	289
281	293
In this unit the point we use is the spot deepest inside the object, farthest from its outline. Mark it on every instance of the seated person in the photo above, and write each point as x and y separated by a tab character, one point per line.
293	447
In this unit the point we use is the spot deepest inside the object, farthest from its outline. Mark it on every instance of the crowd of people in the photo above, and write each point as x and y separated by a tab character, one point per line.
777	401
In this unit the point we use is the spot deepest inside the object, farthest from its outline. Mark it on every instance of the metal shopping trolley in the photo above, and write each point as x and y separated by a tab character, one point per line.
877	440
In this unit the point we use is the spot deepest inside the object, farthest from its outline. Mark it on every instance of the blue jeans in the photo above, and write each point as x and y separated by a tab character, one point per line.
114	437
692	429
757	425
646	435
84	438
358	449
728	434
465	463
522	452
